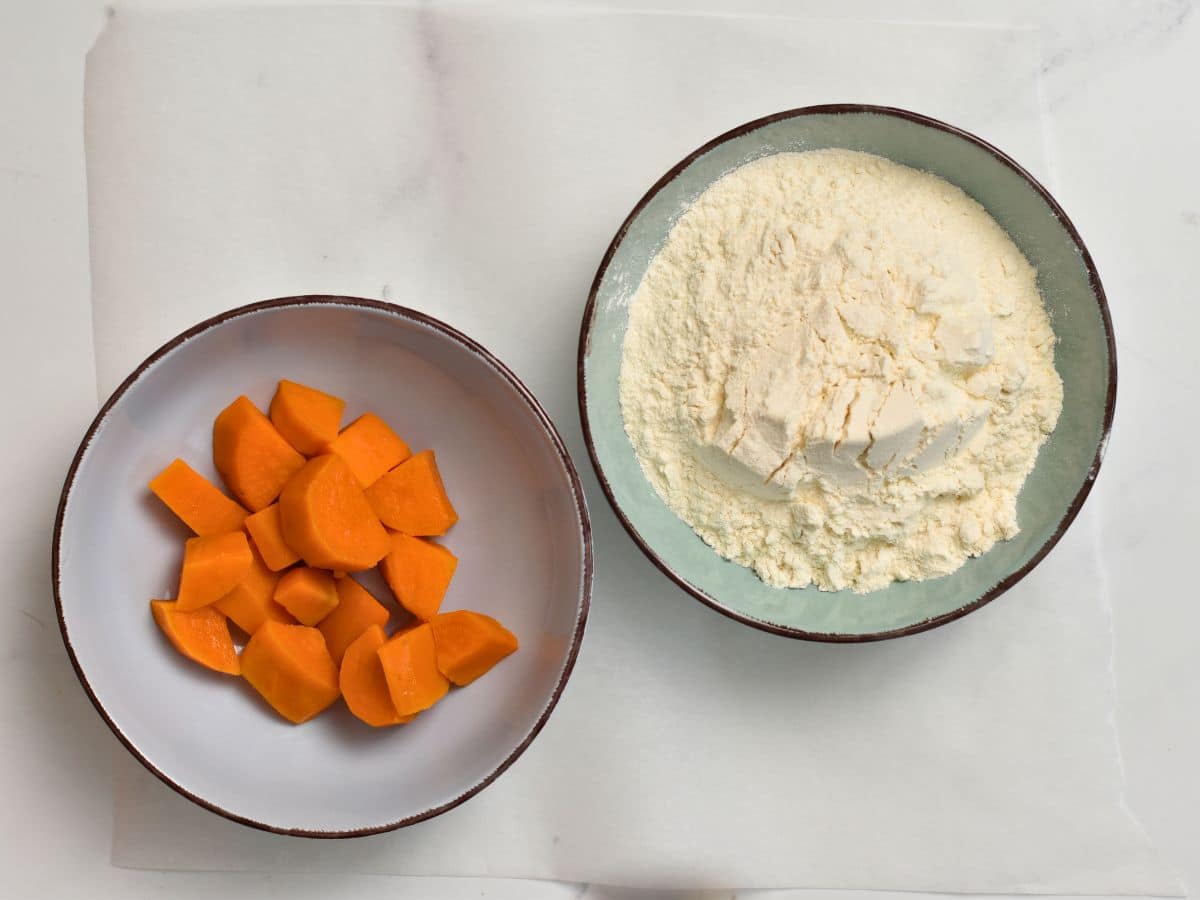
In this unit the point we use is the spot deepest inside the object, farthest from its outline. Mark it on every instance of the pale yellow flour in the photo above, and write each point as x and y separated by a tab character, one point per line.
838	371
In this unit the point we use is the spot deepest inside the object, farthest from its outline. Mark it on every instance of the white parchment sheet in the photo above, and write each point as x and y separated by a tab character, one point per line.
474	165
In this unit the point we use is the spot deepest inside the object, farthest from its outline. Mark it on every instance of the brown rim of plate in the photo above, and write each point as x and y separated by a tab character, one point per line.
585	334
585	535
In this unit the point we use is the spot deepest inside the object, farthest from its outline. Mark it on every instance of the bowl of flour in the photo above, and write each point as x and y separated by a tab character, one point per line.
846	373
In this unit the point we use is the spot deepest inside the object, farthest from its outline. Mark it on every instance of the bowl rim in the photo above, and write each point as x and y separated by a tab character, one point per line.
585	336
472	346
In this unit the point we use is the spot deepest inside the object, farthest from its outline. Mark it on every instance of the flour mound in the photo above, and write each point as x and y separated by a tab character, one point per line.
839	371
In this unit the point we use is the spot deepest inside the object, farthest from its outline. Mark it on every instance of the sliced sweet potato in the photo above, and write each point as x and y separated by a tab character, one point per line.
213	566
201	635
356	611
308	594
364	686
418	572
252	602
307	418
469	643
410	666
290	667
267	533
411	498
327	519
369	448
251	455
196	500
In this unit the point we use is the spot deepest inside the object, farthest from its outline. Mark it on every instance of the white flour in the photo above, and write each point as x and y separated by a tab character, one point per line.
838	371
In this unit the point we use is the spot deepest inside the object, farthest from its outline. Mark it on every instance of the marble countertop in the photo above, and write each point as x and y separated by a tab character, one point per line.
1121	137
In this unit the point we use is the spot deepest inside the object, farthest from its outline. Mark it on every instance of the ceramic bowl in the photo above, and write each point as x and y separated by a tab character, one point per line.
523	542
1066	465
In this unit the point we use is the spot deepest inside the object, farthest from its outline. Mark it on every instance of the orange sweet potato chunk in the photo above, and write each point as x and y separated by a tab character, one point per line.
410	666
251	455
308	594
290	667
356	611
213	566
201	635
411	498
196	500
469	644
267	533
369	447
327	519
307	418
364	686
418	572
252	602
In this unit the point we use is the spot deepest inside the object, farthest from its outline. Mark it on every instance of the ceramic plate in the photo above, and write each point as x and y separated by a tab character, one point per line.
523	541
1066	466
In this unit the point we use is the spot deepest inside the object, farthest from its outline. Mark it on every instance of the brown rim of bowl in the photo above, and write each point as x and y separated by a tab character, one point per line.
585	333
585	535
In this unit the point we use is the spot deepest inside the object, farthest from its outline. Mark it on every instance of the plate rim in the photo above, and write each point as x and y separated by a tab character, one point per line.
585	338
473	347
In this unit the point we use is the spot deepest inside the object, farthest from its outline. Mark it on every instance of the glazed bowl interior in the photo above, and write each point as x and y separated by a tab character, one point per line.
523	544
1084	358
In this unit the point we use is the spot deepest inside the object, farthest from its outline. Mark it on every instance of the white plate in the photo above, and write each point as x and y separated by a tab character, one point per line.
523	542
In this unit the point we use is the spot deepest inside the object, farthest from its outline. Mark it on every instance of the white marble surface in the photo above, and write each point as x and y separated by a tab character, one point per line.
1121	143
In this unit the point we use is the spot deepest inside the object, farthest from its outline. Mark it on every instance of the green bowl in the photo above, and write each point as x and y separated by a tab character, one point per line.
1066	466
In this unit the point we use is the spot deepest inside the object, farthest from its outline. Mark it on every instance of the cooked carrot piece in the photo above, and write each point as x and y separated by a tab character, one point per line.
251	455
307	418
364	686
418	572
410	666
356	611
290	667
308	594
267	532
196	500
469	644
411	498
213	566
369	448
251	602
327	519
201	635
